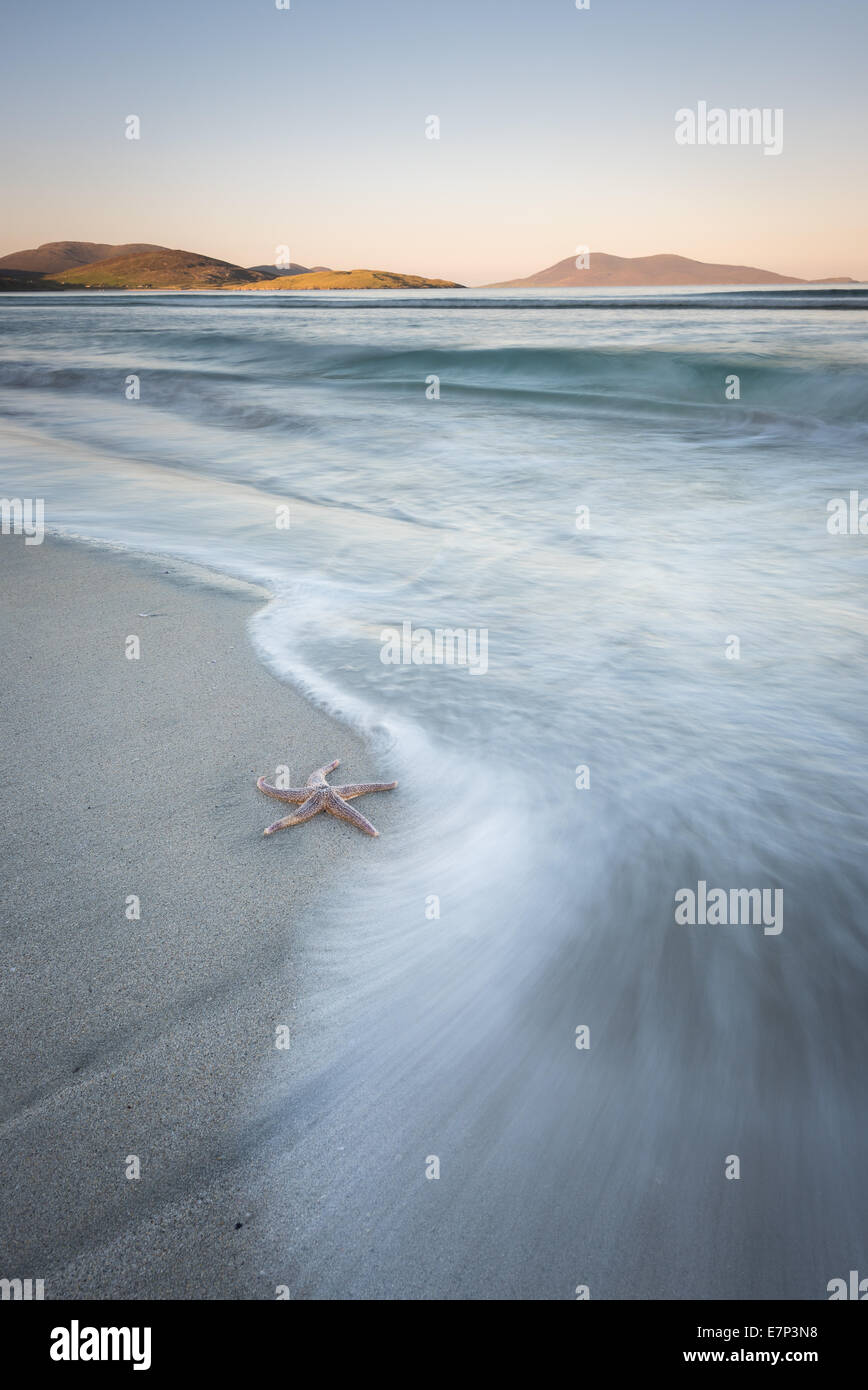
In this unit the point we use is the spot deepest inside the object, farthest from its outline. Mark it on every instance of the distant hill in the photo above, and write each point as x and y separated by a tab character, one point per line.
161	269
23	280
271	272
650	270
355	280
68	255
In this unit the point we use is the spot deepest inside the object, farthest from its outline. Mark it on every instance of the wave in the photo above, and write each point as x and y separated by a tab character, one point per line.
241	389
837	391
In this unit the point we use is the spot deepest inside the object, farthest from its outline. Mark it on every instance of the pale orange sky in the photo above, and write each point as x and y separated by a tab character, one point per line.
557	130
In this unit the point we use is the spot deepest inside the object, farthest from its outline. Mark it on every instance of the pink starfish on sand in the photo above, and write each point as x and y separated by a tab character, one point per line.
318	796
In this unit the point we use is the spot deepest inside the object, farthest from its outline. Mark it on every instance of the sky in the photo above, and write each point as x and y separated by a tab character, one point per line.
306	128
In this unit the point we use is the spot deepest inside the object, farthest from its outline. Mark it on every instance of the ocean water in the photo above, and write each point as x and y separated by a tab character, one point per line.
699	648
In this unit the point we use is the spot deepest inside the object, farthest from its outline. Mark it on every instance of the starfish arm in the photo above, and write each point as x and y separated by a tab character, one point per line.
362	789
305	812
349	813
294	794
317	778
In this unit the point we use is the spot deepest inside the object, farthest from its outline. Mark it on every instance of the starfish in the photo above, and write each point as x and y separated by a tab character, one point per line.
318	796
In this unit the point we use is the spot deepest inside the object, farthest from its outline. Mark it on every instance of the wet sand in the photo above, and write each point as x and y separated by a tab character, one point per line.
152	1037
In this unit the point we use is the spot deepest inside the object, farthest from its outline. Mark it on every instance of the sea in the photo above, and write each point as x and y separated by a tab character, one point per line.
634	520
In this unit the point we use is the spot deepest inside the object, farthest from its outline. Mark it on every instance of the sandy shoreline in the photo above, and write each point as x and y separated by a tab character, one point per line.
152	1037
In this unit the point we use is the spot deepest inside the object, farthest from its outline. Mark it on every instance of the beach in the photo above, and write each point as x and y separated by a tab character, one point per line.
397	428
151	1037
525	1050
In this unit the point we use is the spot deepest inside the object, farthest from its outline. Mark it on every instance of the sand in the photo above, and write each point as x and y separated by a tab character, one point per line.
149	1038
307	1168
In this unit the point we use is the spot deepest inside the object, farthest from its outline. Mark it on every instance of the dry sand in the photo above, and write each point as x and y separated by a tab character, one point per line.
155	1037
